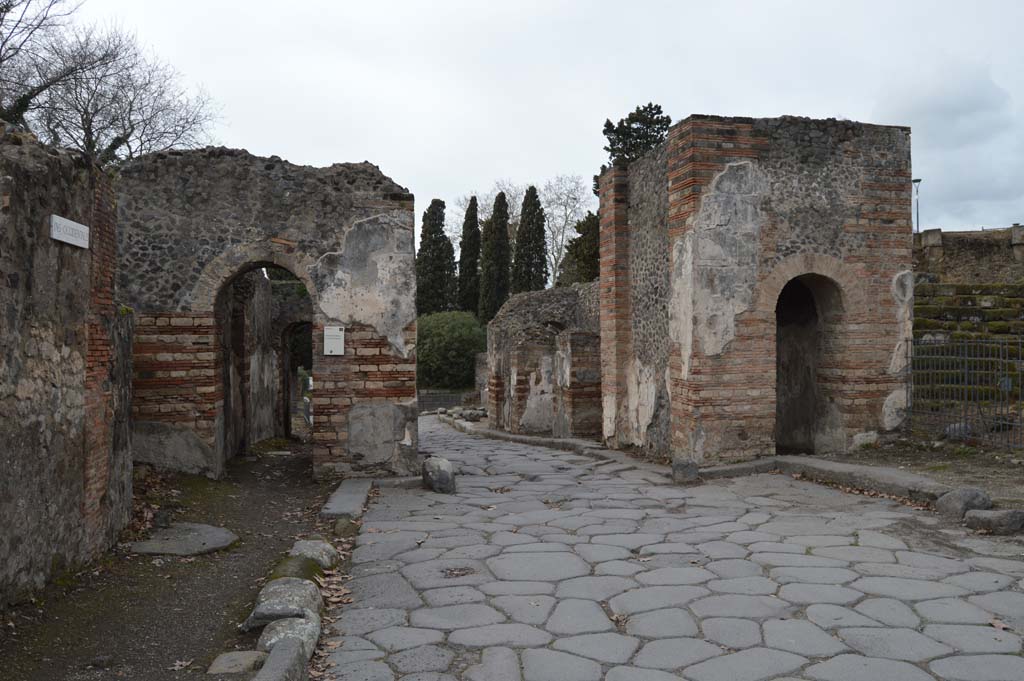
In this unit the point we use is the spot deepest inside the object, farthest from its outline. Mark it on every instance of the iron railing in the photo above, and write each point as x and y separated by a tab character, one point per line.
967	390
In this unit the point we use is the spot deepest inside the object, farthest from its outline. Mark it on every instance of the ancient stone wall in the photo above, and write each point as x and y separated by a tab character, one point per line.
192	221
65	363
544	363
752	205
992	256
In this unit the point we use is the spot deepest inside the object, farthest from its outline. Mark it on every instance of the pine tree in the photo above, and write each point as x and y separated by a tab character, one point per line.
469	261
530	265
582	256
494	261
435	264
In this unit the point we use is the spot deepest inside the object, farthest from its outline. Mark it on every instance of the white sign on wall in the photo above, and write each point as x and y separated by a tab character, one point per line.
334	340
69	232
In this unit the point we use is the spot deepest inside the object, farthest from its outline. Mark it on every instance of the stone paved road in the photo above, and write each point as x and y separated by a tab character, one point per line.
548	566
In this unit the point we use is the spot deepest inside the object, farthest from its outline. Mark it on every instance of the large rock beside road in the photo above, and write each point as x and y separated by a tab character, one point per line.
1008	521
284	597
439	475
958	502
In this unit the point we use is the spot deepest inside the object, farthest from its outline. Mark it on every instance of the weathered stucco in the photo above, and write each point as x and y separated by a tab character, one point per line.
192	222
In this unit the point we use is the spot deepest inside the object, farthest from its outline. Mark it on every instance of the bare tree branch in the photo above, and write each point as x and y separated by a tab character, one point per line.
566	199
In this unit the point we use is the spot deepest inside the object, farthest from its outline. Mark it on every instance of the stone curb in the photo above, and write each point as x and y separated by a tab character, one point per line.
286	662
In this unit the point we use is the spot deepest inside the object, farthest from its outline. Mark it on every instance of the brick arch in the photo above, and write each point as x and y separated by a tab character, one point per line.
237	259
843	275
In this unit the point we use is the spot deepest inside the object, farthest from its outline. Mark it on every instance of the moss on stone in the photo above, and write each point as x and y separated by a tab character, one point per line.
297	566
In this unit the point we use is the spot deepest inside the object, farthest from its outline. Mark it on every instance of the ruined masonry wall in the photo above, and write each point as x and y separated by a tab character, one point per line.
752	204
191	221
65	387
992	256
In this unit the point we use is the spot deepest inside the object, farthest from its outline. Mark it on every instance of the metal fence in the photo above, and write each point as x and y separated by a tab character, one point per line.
967	389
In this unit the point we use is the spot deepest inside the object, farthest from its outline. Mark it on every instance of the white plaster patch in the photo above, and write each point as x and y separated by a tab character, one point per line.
538	414
894	409
903	294
727	229
640	400
869	437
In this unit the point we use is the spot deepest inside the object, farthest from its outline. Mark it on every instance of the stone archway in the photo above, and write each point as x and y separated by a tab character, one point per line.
808	315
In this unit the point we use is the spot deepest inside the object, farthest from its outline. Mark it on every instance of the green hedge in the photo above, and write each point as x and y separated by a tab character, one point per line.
446	347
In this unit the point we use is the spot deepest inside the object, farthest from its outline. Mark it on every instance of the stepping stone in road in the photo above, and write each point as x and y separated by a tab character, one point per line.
185	539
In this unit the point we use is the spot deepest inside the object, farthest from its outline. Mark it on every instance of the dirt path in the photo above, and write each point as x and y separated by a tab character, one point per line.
135	617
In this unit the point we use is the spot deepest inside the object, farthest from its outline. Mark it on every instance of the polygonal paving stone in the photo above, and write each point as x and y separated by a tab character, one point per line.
675	576
394	639
889	611
776	547
980	582
654	597
666	623
387	590
856	554
515	635
455	595
667	548
550	665
752	586
812	575
801	637
517	588
356	622
1006	603
795	560
858	668
893	644
628	541
366	670
929	561
594	588
731	632
496	664
730	605
980	668
639	674
753	664
952	611
433	574
906	589
549	567
526	609
610	648
970	639
574	616
879	540
673	653
832	616
538	547
750	537
813	540
621	568
717	550
734	567
599	553
807	594
455	616
422	659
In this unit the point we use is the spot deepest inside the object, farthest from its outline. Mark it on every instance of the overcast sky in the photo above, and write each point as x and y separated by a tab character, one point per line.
446	97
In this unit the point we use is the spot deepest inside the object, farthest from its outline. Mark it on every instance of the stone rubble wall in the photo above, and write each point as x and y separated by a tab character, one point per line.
543	364
191	221
753	204
992	256
65	368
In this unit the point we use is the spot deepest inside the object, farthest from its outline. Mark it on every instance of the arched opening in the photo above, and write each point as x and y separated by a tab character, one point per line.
263	318
807	315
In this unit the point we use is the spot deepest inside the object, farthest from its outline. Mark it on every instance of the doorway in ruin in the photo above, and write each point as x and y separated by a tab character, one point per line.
807	350
263	318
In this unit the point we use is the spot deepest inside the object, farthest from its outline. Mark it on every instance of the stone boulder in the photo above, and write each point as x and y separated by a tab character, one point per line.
439	475
325	555
306	630
1008	521
956	503
685	472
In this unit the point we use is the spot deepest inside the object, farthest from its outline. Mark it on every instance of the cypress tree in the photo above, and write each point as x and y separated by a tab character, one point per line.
494	261
530	267
469	261
583	253
435	264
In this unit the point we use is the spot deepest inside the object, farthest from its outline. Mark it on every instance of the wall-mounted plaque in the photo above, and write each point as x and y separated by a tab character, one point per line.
69	232
334	340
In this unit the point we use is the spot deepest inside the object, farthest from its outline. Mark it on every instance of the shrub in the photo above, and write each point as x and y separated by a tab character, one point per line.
446	347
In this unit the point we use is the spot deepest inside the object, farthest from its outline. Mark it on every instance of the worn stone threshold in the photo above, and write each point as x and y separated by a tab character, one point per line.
873	478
